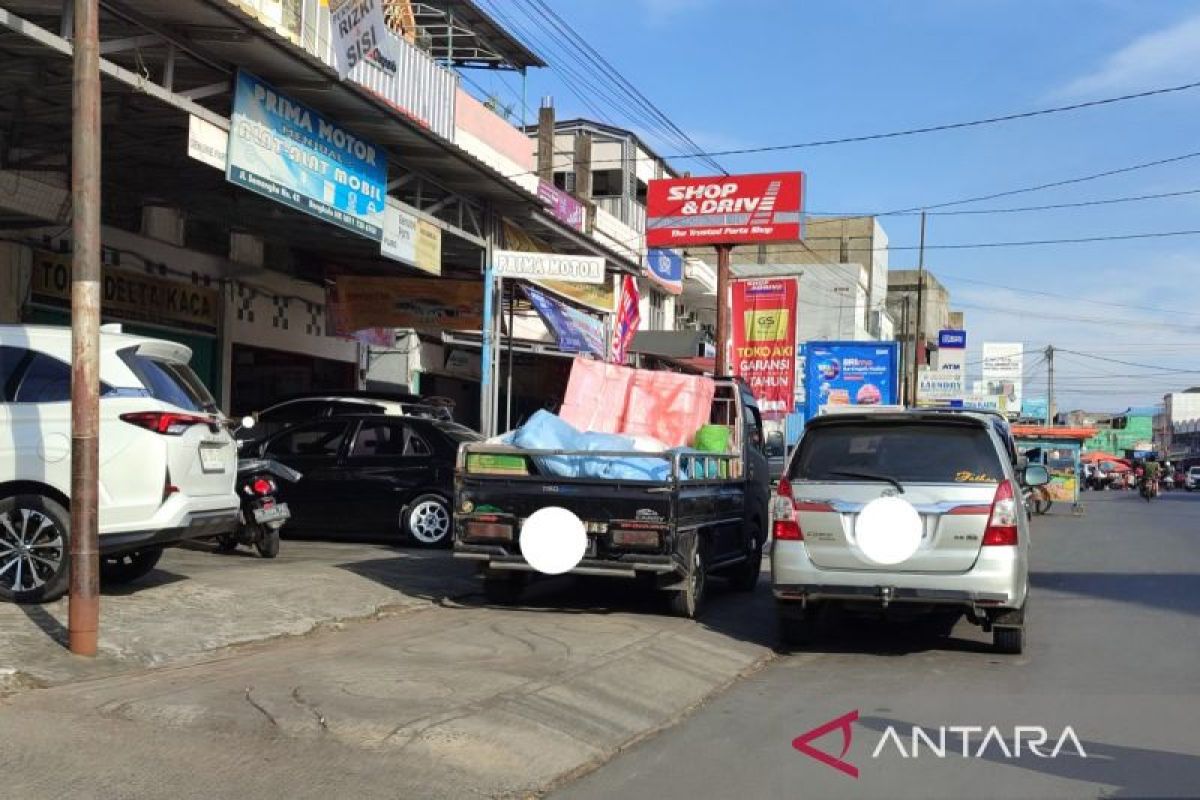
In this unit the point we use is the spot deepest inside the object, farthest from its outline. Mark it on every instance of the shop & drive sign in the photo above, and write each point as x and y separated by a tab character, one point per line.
725	209
288	152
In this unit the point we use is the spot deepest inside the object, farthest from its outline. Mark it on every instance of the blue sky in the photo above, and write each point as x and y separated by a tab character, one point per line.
766	72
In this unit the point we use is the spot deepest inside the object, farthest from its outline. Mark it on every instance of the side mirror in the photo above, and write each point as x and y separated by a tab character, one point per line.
1036	475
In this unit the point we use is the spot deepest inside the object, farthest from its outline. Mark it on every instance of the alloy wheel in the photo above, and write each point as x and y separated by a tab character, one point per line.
429	522
32	549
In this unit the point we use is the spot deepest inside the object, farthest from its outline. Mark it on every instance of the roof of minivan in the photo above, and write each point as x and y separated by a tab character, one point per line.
910	415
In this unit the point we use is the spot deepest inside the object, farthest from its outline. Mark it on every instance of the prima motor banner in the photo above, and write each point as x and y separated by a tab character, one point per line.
764	341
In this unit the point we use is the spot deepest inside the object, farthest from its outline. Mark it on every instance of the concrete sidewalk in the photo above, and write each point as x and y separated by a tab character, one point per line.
198	601
456	701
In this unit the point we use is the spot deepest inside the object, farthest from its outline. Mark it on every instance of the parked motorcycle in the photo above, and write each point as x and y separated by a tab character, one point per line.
261	514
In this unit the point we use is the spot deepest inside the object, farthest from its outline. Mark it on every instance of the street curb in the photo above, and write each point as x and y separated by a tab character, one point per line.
596	763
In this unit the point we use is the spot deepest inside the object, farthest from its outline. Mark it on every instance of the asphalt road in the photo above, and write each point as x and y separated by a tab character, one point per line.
1113	653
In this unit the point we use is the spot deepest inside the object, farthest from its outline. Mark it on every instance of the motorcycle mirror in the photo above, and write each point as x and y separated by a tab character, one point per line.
248	422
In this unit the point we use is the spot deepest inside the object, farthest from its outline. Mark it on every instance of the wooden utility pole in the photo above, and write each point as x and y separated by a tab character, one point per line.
83	613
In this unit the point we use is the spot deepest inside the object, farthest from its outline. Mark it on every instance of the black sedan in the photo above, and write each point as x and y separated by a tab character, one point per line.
371	475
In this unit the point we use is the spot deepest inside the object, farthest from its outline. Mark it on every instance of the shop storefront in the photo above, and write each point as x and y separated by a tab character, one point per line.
279	344
163	305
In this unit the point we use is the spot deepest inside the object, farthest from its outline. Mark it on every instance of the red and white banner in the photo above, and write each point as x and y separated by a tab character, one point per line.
724	209
764	341
628	316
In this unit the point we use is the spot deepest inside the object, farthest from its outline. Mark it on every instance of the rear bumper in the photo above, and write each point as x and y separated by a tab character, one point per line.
197	525
893	594
998	579
627	566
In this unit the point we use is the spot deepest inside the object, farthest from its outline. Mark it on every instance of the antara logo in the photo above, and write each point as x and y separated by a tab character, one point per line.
941	742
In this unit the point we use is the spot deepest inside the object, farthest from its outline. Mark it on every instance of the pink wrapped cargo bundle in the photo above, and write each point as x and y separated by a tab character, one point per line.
596	396
666	406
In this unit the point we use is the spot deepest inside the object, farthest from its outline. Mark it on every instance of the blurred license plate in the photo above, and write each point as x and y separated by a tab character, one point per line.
272	514
212	457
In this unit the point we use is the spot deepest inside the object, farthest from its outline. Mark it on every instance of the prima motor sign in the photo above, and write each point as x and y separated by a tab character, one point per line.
725	209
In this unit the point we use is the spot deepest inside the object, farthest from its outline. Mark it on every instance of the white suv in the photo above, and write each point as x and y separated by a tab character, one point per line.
167	463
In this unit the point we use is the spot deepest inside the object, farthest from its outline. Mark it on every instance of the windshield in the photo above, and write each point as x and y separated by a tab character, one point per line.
907	452
170	381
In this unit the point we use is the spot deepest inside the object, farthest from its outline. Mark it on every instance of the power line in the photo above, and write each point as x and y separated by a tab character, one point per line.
1119	361
1074	298
1018	210
930	128
630	89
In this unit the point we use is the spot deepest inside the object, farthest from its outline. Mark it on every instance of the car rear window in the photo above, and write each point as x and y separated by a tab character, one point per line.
907	452
170	381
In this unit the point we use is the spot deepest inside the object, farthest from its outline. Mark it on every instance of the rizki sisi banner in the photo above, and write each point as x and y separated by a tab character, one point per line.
726	209
764	341
851	374
360	34
289	153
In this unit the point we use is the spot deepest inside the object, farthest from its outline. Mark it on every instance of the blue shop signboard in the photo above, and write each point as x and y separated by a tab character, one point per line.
290	153
850	373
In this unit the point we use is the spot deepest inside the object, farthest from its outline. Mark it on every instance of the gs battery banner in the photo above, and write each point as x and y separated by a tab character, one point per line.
725	209
764	341
288	152
851	374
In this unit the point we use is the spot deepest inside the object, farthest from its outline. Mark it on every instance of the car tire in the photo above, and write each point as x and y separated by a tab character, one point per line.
688	601
744	576
1010	641
504	589
128	567
44	549
796	627
267	543
427	521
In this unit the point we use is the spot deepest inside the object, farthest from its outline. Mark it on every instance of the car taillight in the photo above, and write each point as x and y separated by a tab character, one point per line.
262	486
167	423
1002	524
785	525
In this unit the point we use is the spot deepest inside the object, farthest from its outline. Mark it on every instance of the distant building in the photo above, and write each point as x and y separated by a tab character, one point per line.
842	263
936	314
1132	429
1178	427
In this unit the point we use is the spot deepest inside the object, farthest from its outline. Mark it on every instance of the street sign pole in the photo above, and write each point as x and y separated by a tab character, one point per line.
83	611
724	312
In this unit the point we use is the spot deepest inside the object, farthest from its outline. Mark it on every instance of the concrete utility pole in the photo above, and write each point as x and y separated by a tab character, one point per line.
919	339
724	312
1050	410
83	613
545	151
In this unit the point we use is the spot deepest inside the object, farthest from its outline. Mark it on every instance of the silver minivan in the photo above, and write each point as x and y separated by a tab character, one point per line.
904	513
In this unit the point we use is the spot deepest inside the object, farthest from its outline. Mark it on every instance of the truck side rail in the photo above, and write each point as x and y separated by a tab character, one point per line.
689	467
